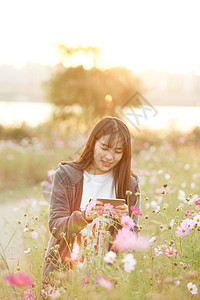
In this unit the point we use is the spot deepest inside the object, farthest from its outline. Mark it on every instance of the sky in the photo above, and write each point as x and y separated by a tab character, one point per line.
140	35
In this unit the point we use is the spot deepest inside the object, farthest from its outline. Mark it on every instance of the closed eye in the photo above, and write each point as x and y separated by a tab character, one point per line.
105	148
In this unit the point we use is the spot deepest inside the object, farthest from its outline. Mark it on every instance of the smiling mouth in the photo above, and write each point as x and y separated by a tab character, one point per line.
106	164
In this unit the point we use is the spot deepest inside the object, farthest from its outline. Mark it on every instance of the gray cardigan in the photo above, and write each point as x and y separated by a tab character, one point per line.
65	219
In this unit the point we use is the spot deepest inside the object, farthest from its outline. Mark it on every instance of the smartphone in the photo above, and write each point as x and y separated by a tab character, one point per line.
112	201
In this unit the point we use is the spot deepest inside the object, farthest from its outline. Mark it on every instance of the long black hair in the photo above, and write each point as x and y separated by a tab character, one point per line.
122	171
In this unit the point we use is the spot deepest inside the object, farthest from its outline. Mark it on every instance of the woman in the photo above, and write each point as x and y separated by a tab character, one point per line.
103	170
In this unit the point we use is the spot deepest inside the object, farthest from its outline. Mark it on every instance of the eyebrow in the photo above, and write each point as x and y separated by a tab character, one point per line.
103	144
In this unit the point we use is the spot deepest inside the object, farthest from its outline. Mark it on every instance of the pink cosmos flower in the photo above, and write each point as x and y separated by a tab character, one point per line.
182	230
127	240
127	222
107	208
96	281
90	207
75	251
85	280
43	228
28	295
48	291
25	200
51	174
158	251
46	184
189	223
136	211
170	252
97	278
34	234
187	212
197	202
105	283
10	157
20	280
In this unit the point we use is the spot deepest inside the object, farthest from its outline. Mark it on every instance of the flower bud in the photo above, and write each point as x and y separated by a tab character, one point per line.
54	230
128	193
62	235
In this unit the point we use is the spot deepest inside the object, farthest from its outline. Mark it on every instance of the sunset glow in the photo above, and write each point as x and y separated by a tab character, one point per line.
140	35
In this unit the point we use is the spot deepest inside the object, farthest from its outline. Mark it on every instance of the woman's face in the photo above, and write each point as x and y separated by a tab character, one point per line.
106	158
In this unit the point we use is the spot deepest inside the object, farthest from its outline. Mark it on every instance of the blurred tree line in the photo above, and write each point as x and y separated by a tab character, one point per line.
97	92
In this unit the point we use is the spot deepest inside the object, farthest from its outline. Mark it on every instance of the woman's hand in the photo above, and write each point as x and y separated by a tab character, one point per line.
121	210
94	212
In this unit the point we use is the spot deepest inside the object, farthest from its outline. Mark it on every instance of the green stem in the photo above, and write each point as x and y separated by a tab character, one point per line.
181	246
128	203
172	265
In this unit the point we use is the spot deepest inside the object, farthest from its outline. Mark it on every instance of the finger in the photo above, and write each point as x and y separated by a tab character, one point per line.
97	208
98	202
122	210
123	206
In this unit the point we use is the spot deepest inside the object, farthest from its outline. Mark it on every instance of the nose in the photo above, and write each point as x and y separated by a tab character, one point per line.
109	156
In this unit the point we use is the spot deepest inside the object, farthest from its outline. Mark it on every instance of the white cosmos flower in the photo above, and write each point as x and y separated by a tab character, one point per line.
128	268
157	209
194	198
183	185
167	176
181	195
129	258
55	295
152	240
129	262
177	282
153	204
27	251
160	171
110	257
197	220
187	166
192	288
147	205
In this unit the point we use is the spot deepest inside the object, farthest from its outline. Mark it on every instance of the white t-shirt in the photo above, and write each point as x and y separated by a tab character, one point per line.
97	186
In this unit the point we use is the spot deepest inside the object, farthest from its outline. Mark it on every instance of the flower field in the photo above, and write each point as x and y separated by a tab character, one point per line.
161	263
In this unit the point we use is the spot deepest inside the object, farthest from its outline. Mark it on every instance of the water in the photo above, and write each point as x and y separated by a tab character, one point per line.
33	113
182	118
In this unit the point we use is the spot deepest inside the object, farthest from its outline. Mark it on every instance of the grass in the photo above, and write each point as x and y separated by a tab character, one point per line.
16	194
164	172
